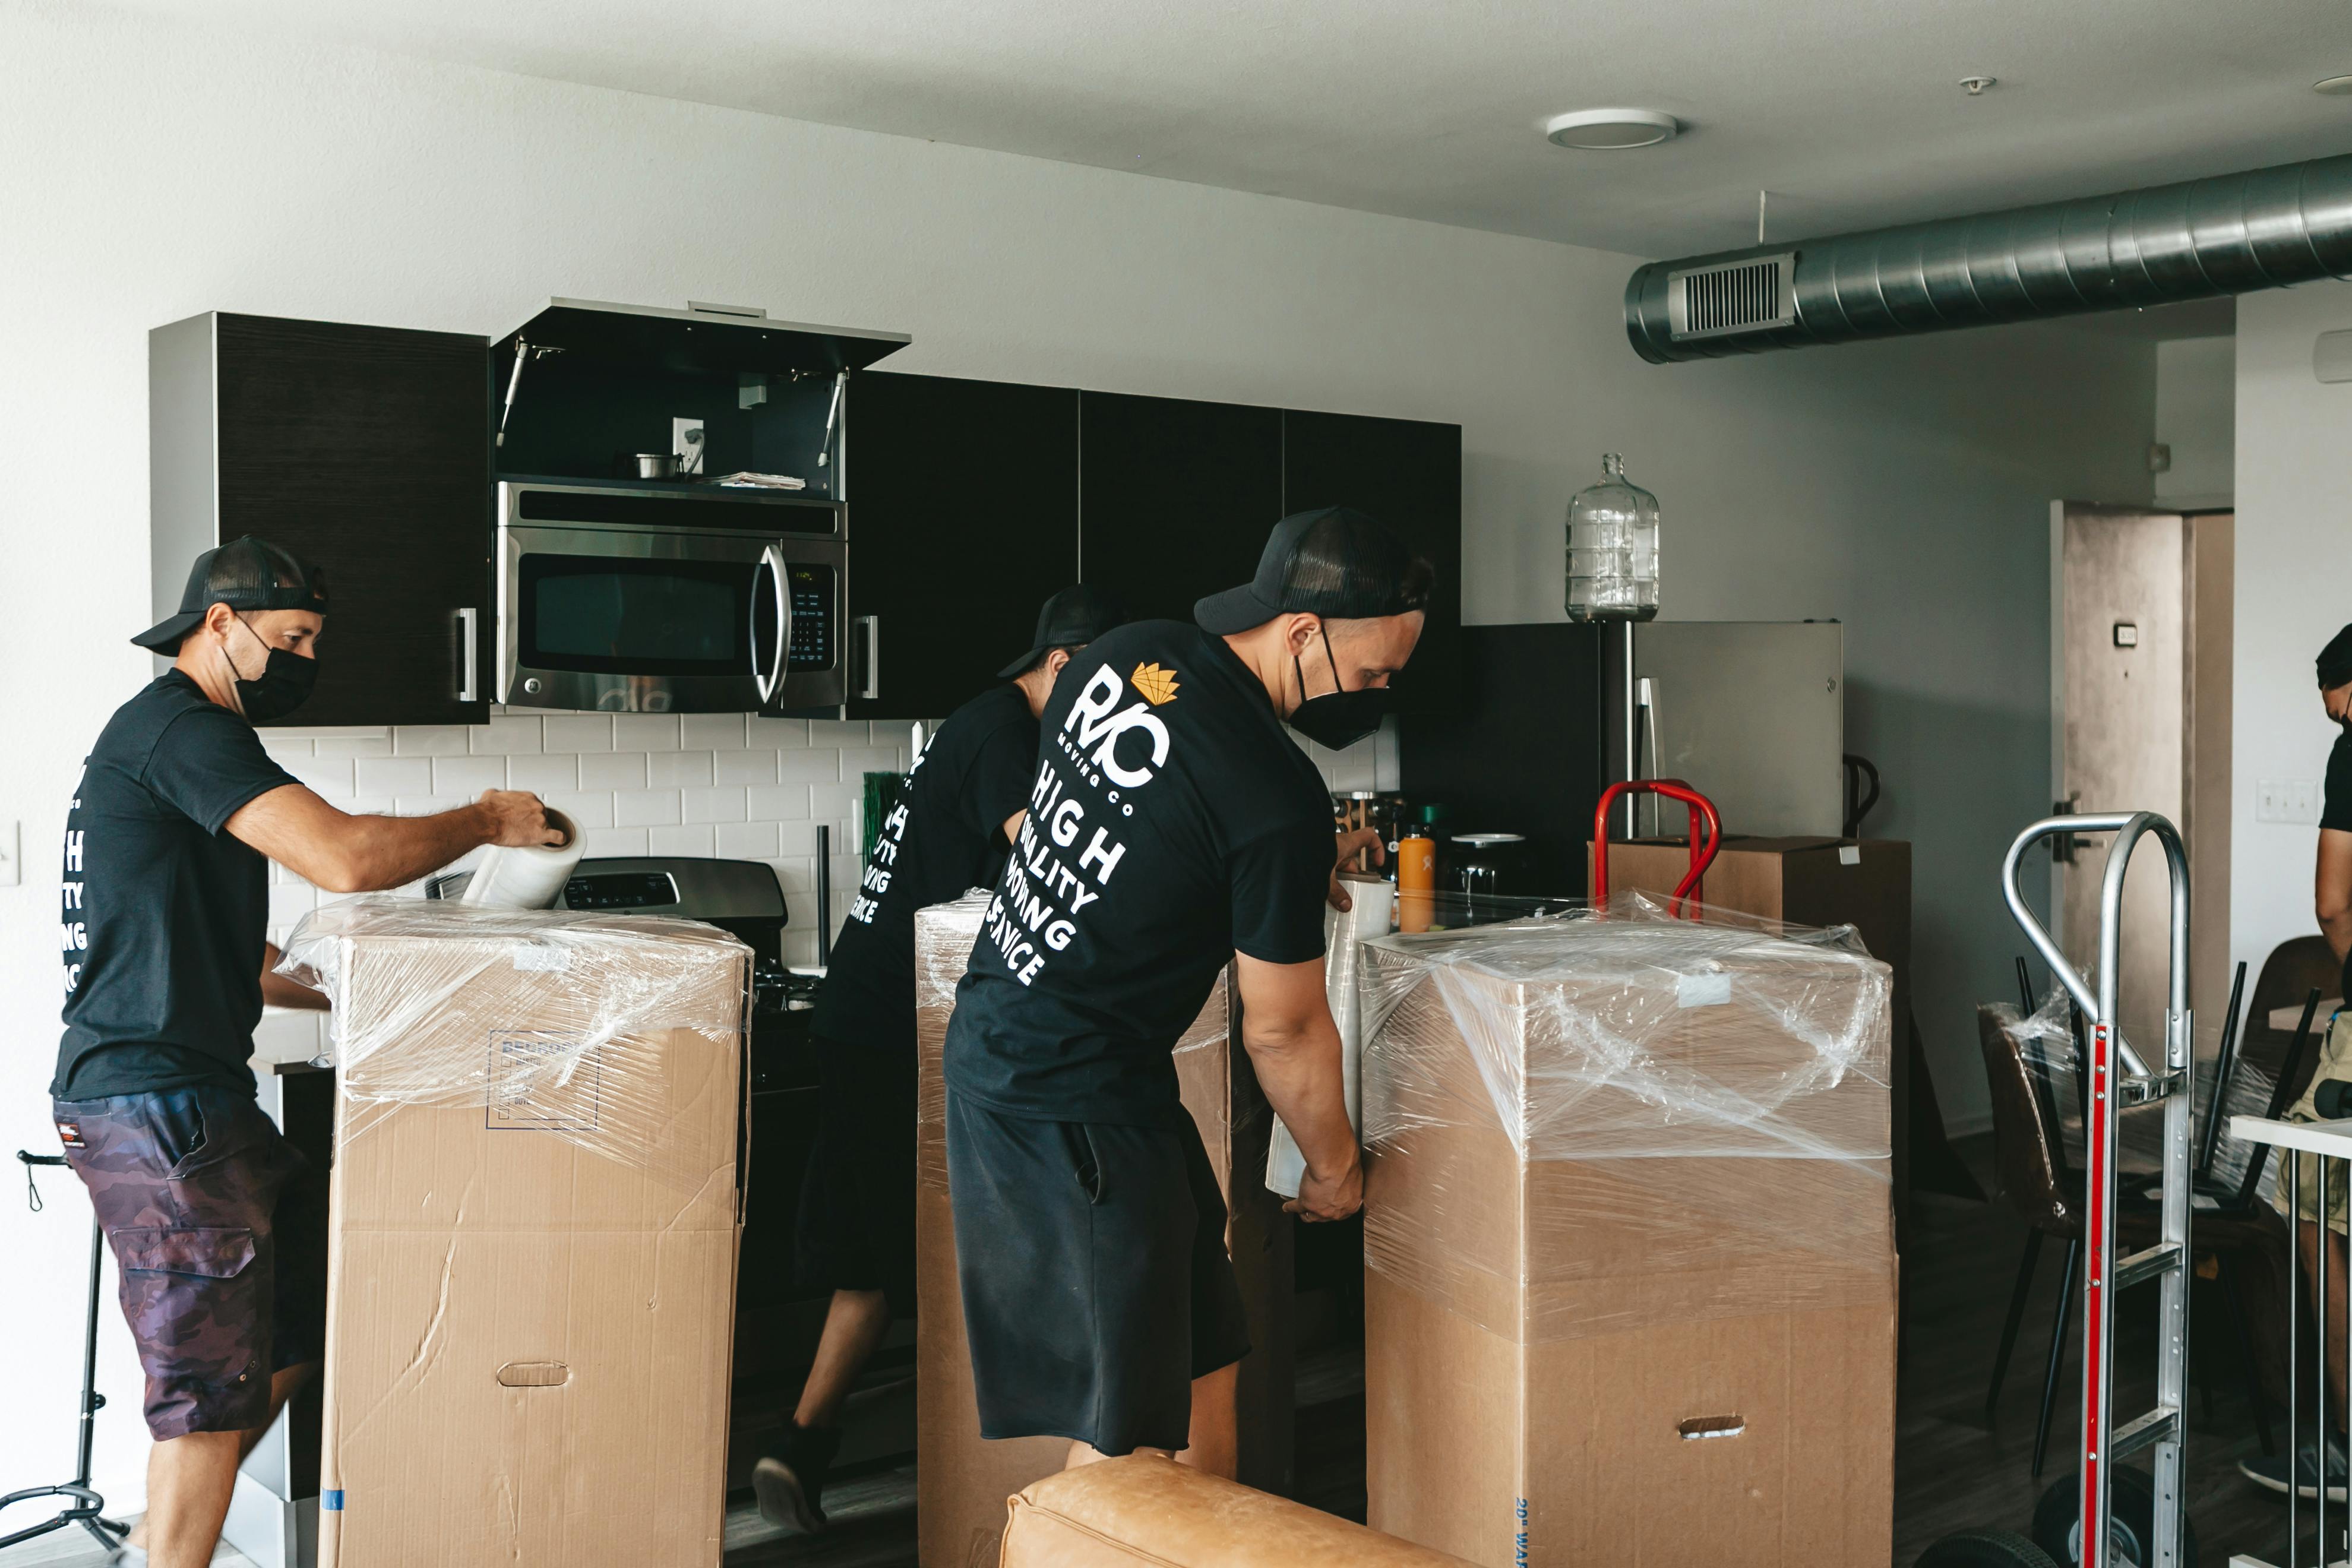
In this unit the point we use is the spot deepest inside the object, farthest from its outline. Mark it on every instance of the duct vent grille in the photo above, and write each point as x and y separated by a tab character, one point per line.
1746	296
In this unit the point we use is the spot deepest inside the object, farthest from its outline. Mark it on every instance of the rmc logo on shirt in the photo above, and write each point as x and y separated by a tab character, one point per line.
1093	716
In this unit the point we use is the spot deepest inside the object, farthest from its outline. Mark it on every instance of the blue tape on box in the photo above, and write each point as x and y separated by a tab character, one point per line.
331	1502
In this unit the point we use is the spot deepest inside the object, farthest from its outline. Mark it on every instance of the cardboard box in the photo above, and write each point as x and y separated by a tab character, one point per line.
534	1213
1630	1295
964	1481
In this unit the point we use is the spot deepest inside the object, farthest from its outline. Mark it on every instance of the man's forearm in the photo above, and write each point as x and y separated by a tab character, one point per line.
391	851
1301	1077
2337	930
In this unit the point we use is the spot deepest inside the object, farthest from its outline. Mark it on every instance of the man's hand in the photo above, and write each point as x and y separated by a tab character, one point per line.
1322	1198
518	820
1349	845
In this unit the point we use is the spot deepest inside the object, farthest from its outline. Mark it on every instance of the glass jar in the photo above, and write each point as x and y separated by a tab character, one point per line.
1613	549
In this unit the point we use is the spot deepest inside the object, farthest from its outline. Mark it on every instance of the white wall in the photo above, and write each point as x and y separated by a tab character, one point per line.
2295	590
2196	415
152	174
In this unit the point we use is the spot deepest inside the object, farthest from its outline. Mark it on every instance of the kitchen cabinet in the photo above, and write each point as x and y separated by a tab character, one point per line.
963	520
1174	497
1407	473
365	450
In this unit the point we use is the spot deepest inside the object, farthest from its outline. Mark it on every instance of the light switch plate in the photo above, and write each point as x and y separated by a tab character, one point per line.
2294	801
12	856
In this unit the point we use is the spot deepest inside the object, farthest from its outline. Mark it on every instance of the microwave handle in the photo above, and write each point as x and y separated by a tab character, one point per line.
870	684
469	654
771	680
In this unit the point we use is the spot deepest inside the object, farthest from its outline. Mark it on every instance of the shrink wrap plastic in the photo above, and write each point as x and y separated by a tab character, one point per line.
556	1021
944	934
1586	1125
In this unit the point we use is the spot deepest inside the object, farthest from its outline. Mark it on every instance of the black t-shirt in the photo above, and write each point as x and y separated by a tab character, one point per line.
1172	822
165	914
2336	808
945	836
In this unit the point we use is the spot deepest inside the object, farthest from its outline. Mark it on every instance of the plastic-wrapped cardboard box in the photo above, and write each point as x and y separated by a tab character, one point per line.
962	1481
1631	1280
534	1212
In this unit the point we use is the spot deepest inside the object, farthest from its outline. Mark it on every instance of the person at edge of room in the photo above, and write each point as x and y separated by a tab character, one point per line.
218	1225
952	826
2332	904
1174	826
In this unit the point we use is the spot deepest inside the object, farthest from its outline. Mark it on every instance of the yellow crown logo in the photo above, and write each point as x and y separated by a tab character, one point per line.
1158	685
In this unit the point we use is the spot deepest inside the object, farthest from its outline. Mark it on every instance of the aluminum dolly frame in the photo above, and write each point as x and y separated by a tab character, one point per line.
2119	1078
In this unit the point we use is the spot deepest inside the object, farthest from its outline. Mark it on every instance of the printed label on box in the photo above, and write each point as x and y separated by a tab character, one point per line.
542	1081
1702	989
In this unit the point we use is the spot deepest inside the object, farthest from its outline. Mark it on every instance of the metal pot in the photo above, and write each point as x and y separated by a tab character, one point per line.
657	466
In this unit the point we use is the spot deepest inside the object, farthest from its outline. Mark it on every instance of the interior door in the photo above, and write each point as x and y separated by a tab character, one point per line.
2144	699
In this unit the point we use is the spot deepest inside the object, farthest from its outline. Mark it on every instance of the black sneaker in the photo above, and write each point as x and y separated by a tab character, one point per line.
791	1481
2271	1471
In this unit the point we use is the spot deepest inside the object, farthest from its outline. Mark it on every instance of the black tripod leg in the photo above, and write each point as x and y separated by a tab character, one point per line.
2017	1297
2058	1325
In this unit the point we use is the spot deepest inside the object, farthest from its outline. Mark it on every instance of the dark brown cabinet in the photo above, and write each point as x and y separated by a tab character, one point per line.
964	518
1175	498
366	450
1407	473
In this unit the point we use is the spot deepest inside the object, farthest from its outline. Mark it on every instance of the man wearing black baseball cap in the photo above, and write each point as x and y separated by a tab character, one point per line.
217	1223
1173	826
956	815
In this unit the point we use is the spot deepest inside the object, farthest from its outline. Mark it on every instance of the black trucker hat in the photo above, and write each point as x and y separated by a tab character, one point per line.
245	573
2336	662
1071	618
1334	560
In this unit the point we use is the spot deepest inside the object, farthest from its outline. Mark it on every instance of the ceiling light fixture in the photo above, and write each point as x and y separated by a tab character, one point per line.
1611	130
1977	84
2334	86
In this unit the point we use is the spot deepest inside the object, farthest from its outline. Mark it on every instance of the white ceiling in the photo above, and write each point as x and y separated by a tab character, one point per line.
1847	111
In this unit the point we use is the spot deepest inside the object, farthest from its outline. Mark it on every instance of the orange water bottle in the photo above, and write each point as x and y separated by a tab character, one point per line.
1416	878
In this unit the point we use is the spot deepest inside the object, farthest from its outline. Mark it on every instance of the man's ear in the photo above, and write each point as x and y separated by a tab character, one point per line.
1055	662
1303	630
217	617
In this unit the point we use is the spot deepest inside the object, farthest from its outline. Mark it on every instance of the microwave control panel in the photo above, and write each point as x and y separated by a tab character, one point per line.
813	625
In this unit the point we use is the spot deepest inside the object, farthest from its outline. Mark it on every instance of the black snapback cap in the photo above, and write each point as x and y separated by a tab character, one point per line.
1335	562
2336	663
1071	618
245	573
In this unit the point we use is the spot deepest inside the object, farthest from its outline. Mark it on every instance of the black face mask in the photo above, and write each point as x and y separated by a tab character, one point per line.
284	686
1336	720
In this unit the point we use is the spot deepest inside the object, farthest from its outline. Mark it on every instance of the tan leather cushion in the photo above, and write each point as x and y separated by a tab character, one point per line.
1144	1508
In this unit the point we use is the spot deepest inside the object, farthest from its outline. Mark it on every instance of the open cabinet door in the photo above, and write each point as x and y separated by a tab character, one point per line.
2141	714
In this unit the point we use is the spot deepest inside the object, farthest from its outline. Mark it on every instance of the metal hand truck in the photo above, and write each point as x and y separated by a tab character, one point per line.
1703	848
2120	1079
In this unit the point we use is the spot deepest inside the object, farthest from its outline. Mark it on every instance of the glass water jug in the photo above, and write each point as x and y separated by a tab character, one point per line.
1613	549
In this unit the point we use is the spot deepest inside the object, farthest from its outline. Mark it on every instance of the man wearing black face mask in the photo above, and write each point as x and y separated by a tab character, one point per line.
217	1224
1172	825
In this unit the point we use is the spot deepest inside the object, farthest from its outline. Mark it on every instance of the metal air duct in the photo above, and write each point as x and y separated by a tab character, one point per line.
2231	234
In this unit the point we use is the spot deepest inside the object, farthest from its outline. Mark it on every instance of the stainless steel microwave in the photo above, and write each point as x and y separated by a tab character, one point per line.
666	600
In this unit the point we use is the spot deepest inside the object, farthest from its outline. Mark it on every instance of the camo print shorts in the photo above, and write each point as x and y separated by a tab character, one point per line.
218	1226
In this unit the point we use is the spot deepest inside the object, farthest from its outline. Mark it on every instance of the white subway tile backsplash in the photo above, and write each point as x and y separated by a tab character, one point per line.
540	774
748	767
616	770
796	872
724	804
776	803
692	838
645	808
354	745
430	740
809	767
644	732
779	732
747	840
613	841
510	734
858	761
713	731
836	801
585	810
285	748
579	731
330	776
800	838
467	777
289	901
841	733
675	770
394	775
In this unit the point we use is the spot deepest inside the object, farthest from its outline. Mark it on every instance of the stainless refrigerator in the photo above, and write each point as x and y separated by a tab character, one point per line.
1751	714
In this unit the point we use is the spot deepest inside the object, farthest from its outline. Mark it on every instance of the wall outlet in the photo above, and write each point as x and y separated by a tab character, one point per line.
686	441
2287	800
12	857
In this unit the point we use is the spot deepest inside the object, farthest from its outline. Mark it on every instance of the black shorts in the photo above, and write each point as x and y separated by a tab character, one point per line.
855	1228
219	1230
1095	1282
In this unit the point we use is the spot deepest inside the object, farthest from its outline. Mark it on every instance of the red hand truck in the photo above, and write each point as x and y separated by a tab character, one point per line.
1702	850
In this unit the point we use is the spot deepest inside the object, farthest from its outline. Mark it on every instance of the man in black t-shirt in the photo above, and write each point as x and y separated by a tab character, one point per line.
1173	826
216	1222
2331	879
949	833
